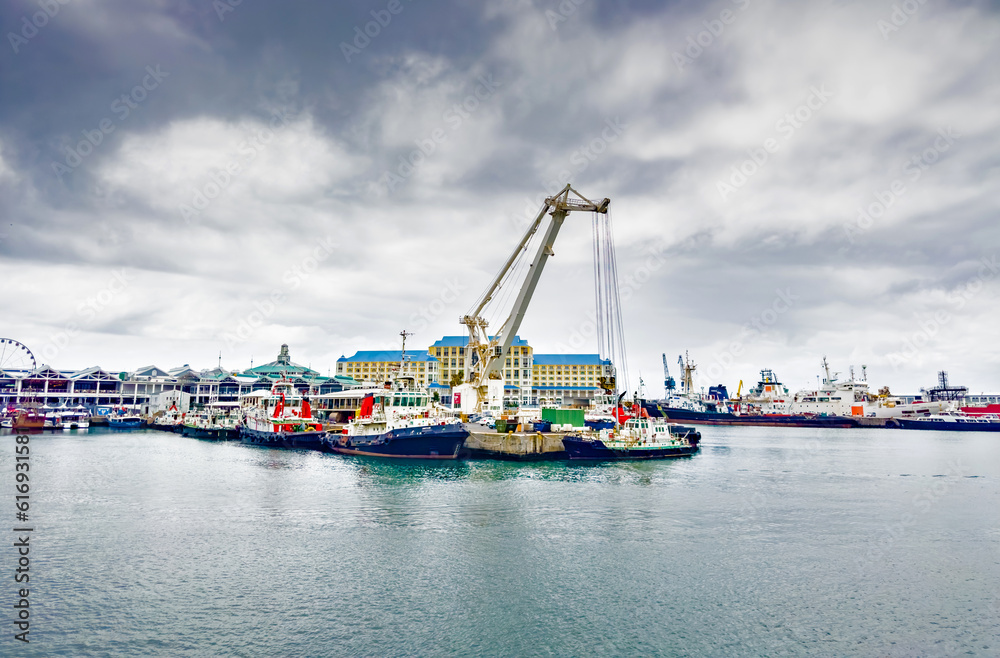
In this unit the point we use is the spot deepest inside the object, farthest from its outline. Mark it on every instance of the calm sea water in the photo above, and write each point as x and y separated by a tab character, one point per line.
769	542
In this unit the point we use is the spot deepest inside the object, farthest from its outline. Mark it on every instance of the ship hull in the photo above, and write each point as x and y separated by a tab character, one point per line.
945	425
429	442
580	449
211	433
124	425
28	425
167	428
279	439
715	418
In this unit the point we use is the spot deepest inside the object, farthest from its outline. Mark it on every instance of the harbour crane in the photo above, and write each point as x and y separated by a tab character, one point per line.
485	354
669	384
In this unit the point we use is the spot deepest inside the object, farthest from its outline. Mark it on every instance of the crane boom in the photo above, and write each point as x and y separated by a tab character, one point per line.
484	354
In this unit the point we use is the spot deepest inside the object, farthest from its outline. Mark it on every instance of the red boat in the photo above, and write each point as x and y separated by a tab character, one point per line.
28	419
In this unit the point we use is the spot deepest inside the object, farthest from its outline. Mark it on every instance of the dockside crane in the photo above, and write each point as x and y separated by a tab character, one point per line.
485	354
669	385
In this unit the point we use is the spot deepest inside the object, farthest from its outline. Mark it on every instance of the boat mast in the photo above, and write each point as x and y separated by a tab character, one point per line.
402	353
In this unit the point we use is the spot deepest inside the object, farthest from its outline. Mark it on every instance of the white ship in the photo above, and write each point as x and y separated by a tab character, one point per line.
853	398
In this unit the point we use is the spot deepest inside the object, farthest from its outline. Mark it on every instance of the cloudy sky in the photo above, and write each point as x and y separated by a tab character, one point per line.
788	180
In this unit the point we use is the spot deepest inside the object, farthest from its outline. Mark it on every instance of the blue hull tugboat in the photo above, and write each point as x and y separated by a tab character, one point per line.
418	442
390	423
638	438
280	418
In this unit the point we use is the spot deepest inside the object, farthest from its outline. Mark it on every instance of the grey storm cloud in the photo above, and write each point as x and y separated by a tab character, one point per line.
757	148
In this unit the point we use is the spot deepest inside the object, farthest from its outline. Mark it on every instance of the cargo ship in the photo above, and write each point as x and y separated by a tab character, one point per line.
767	404
835	403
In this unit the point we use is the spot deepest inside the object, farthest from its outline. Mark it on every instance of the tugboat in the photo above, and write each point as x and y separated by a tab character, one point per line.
638	438
171	420
378	432
397	422
213	425
280	418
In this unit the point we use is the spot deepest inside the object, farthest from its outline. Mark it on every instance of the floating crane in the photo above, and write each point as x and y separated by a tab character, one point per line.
485	354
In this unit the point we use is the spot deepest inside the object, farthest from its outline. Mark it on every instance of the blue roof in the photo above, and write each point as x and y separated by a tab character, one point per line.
462	341
386	355
566	388
569	360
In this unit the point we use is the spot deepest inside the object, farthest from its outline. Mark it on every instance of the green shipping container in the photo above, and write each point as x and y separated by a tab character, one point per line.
572	417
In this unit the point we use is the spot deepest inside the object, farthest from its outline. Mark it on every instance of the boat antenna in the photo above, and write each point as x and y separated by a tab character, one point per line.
402	353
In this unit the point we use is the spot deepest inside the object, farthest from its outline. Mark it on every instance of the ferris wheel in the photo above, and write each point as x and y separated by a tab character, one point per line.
15	356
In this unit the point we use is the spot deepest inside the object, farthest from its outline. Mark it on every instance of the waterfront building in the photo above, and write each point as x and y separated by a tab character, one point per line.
450	352
153	388
530	379
378	366
566	379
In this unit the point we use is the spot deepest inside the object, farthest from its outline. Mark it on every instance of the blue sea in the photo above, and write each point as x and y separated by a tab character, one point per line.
770	542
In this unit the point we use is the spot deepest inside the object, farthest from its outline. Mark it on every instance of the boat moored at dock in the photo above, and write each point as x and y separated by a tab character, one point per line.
397	422
280	418
637	439
948	422
124	421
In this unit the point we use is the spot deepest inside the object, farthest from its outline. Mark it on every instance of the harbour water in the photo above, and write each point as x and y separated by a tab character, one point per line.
771	541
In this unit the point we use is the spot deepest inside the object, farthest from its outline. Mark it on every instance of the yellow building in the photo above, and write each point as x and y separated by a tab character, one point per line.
450	353
381	365
563	379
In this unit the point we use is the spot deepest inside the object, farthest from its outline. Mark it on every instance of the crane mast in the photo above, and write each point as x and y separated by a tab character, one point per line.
485	354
